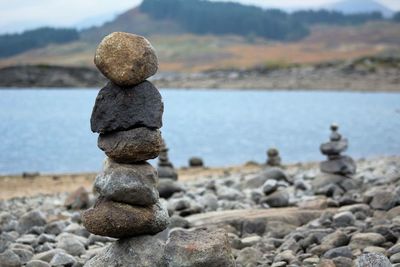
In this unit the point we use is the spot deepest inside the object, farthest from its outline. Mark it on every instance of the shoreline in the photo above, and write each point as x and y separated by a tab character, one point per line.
15	186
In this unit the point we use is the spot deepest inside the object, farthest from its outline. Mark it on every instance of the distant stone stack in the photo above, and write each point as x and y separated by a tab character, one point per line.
337	163
273	158
127	115
165	167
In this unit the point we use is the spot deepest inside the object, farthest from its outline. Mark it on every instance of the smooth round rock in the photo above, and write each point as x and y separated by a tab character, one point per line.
131	146
127	183
122	109
114	219
126	59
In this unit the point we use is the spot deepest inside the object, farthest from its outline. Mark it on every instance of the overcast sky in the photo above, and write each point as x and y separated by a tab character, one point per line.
18	15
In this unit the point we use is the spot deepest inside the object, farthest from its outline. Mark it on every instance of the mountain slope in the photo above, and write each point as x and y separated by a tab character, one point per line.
360	6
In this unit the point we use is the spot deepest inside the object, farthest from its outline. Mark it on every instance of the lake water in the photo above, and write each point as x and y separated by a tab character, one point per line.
49	130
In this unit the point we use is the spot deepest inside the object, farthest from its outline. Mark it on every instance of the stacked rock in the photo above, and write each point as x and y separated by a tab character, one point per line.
165	167
273	158
337	163
127	115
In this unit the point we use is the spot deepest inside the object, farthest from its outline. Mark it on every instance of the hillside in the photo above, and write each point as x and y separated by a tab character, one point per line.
360	6
193	53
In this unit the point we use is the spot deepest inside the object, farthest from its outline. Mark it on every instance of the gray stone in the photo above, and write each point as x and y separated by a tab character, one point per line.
121	109
334	148
54	228
198	248
196	162
62	259
9	259
395	258
71	245
277	199
384	200
37	263
168	187
131	146
79	199
167	172
126	59
47	255
24	255
128	183
269	173
343	262
344	219
141	251
373	260
248	257
343	165
270	186
178	222
344	251
114	219
29	220
363	240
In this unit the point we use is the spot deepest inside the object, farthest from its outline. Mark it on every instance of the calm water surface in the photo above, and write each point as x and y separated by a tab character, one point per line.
49	130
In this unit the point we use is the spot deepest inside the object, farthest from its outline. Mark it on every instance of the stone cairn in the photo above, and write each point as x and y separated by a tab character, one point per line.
337	163
127	115
273	158
165	167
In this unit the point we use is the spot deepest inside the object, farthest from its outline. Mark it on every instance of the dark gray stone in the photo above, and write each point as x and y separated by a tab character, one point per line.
121	109
199	248
168	187
334	148
344	219
141	251
343	165
131	146
196	162
128	183
344	251
277	199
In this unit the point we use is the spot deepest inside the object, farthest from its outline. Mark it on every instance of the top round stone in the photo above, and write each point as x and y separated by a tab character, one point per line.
334	127
126	59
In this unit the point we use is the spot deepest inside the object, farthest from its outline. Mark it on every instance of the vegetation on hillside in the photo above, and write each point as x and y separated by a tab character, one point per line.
12	44
204	17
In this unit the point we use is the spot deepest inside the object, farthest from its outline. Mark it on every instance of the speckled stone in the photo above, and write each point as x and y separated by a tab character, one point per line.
126	59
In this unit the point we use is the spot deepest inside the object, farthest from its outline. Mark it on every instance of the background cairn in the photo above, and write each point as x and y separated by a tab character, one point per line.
168	184
273	158
337	163
127	114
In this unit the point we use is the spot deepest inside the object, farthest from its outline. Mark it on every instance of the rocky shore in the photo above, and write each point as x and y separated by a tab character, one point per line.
368	74
289	216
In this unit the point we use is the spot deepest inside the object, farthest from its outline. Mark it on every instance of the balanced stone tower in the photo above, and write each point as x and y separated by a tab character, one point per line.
127	115
273	158
337	163
165	167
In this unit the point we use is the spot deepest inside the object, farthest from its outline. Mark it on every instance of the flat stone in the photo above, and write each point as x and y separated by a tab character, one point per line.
126	59
62	259
37	263
363	240
343	165
198	247
131	146
277	199
141	251
128	183
334	148
166	172
114	219
121	109
344	251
